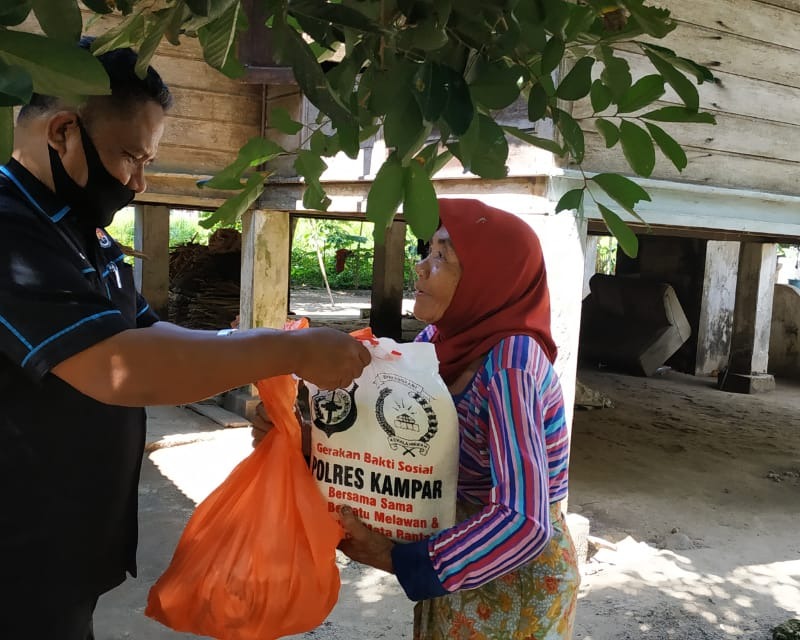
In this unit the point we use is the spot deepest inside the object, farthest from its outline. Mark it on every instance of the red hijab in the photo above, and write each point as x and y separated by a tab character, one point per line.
503	287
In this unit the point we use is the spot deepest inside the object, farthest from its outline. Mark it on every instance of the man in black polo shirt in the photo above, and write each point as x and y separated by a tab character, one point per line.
81	353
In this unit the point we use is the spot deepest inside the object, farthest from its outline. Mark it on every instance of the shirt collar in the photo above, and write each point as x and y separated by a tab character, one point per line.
34	190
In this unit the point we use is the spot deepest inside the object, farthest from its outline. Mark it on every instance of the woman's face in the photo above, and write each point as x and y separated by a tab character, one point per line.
437	278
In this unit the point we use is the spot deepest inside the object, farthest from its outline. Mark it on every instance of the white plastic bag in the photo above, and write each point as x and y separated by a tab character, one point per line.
388	445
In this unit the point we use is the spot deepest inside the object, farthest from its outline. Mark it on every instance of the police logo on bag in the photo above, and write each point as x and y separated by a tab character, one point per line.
334	411
405	414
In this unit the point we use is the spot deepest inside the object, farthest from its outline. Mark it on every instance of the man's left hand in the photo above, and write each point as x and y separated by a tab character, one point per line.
364	545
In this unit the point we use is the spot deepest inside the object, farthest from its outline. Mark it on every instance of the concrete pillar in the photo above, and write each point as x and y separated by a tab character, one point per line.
716	309
752	317
388	276
589	262
151	238
563	240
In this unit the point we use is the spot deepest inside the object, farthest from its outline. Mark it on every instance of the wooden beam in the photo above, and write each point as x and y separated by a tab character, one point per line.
151	237
265	269
388	276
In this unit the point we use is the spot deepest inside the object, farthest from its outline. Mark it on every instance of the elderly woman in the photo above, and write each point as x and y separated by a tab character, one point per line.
507	568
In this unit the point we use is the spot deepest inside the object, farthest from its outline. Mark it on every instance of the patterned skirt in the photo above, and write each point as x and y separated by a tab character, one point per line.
534	602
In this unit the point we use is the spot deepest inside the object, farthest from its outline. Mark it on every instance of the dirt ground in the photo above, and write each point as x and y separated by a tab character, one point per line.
699	490
693	496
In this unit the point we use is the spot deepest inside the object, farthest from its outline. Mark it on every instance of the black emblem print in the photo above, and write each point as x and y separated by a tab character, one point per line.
405	414
335	411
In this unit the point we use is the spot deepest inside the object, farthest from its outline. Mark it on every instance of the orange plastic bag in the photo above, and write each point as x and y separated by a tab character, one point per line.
257	559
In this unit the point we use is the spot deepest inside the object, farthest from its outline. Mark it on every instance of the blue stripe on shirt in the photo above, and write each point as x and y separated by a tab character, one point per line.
75	325
13	330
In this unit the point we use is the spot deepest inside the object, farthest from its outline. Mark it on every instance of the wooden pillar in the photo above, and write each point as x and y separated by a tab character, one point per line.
388	275
151	238
265	269
752	318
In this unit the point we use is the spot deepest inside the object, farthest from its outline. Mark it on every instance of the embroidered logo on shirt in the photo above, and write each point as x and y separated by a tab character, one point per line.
102	238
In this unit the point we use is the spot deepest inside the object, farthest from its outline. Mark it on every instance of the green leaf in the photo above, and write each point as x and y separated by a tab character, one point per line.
458	110
218	39
420	207
404	129
494	85
654	21
683	86
537	103
59	19
6	133
572	134
57	68
98	6
309	165
314	197
337	14
701	73
157	25
600	96
199	7
280	119
578	82
644	91
127	33
616	75
428	35
638	148
542	143
669	147
622	190
609	130
347	130
385	195
679	114
14	12
291	49
16	84
256	151
571	201
323	145
234	207
622	232
430	90
483	149
552	54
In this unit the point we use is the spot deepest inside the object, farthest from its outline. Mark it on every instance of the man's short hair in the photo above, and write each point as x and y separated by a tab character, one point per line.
127	88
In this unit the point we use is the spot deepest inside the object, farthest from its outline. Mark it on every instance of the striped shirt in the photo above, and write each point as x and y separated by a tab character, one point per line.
513	460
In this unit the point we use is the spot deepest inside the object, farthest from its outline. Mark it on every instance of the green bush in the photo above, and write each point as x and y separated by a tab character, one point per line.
357	273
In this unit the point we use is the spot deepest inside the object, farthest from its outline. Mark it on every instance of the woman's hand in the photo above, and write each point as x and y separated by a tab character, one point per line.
364	545
262	425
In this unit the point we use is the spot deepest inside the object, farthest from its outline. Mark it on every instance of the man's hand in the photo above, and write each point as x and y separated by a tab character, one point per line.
328	358
364	545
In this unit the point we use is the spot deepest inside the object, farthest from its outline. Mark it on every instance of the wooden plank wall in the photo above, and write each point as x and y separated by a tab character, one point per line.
753	49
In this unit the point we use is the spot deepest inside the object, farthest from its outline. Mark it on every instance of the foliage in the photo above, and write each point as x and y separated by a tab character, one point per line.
606	261
432	73
331	235
184	227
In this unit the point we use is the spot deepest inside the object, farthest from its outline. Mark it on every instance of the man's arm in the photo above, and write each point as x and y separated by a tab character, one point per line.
167	364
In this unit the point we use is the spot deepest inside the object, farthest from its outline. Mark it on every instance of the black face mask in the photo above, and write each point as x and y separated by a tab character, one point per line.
95	204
